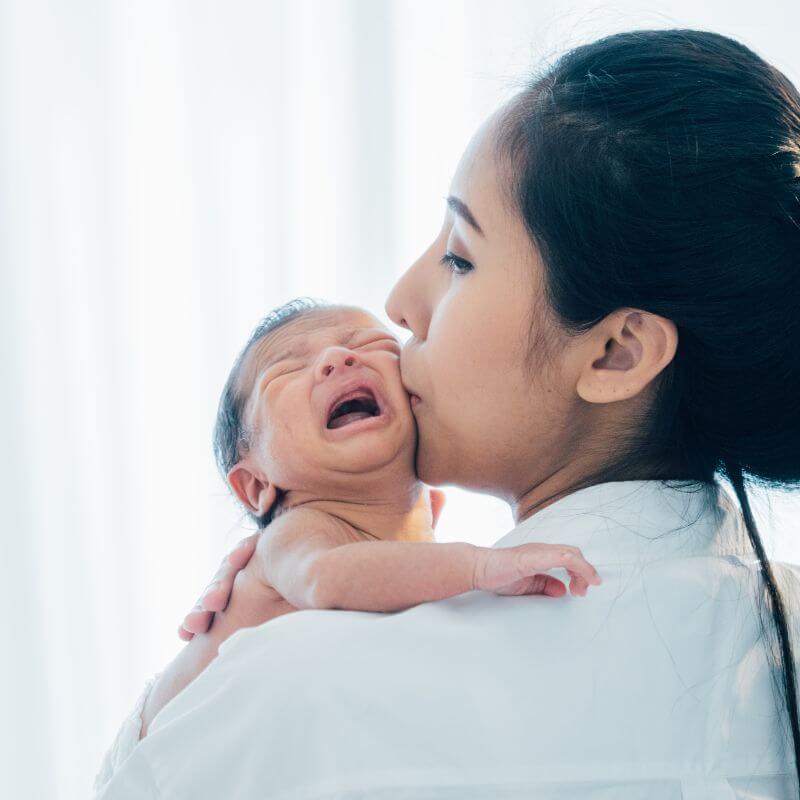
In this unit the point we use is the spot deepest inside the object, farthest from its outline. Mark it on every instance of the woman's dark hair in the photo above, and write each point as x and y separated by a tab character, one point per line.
232	438
660	170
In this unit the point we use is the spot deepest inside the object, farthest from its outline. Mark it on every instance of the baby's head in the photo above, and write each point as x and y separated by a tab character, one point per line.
314	407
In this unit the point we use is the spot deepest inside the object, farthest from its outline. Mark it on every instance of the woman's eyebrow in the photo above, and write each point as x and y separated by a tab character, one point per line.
462	209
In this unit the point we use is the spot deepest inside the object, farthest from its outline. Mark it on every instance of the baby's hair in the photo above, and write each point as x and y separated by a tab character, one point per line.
232	438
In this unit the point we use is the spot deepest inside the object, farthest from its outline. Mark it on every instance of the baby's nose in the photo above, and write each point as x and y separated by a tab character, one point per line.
336	359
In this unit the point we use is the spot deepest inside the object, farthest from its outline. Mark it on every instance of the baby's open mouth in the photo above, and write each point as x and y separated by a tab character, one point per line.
360	404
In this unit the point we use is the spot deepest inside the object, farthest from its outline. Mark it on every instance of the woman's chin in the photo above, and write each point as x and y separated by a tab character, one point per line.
432	465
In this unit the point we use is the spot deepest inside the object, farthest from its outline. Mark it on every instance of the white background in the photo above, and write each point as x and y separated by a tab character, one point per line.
170	171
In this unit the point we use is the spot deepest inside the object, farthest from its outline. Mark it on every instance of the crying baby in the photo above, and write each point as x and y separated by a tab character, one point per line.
316	436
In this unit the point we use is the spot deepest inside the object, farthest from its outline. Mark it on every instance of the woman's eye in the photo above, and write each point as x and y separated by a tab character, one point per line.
457	265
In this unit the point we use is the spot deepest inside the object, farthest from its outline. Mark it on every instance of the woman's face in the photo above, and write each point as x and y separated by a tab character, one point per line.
484	422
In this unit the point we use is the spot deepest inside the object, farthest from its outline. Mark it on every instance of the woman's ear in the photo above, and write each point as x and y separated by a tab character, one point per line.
255	491
623	353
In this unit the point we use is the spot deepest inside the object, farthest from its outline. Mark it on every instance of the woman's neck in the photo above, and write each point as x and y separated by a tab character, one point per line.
565	482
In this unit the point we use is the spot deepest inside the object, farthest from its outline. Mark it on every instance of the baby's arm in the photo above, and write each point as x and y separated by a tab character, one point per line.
315	562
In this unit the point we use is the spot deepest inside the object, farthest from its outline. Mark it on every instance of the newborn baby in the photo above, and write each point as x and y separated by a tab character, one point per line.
316	438
326	456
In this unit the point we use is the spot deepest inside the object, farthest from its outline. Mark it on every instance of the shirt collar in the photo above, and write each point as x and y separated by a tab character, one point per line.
640	520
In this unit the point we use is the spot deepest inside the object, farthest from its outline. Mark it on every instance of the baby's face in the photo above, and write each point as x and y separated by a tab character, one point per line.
327	404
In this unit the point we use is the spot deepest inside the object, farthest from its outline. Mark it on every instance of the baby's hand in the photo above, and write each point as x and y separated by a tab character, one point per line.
522	570
217	594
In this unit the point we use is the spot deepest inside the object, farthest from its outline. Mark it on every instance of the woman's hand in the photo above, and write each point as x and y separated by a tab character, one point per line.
217	593
522	570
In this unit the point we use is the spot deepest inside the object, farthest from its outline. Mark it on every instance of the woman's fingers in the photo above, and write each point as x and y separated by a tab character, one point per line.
184	634
240	555
217	594
197	620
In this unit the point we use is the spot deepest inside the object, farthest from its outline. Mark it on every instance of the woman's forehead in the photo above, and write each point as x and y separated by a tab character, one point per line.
476	178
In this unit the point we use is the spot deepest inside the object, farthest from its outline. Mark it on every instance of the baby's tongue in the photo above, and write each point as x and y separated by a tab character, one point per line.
353	416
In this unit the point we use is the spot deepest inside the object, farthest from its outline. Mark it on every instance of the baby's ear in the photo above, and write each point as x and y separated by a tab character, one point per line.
437	503
255	491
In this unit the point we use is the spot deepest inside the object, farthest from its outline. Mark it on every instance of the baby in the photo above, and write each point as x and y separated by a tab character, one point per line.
316	438
326	443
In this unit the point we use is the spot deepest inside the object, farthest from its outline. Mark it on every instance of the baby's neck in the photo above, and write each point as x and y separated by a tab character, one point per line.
403	516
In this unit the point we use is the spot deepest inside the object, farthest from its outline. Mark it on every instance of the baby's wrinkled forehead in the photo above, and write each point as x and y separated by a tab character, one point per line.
294	336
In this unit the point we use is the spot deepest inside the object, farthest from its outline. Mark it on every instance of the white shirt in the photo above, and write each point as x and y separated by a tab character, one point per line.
653	686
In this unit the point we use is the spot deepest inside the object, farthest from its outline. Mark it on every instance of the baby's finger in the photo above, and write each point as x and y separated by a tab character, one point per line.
578	584
571	558
553	587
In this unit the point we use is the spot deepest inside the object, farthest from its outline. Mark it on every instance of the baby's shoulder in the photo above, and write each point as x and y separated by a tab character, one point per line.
315	522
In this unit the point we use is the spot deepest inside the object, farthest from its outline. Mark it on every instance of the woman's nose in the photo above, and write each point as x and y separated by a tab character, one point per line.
394	306
406	306
336	360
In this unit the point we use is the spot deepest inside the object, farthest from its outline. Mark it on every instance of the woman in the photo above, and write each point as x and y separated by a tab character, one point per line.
611	303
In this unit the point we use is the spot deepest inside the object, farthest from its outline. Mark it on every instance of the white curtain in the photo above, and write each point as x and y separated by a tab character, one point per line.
170	171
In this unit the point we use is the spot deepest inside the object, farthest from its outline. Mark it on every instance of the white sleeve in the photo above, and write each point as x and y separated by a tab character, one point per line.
133	781
127	738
